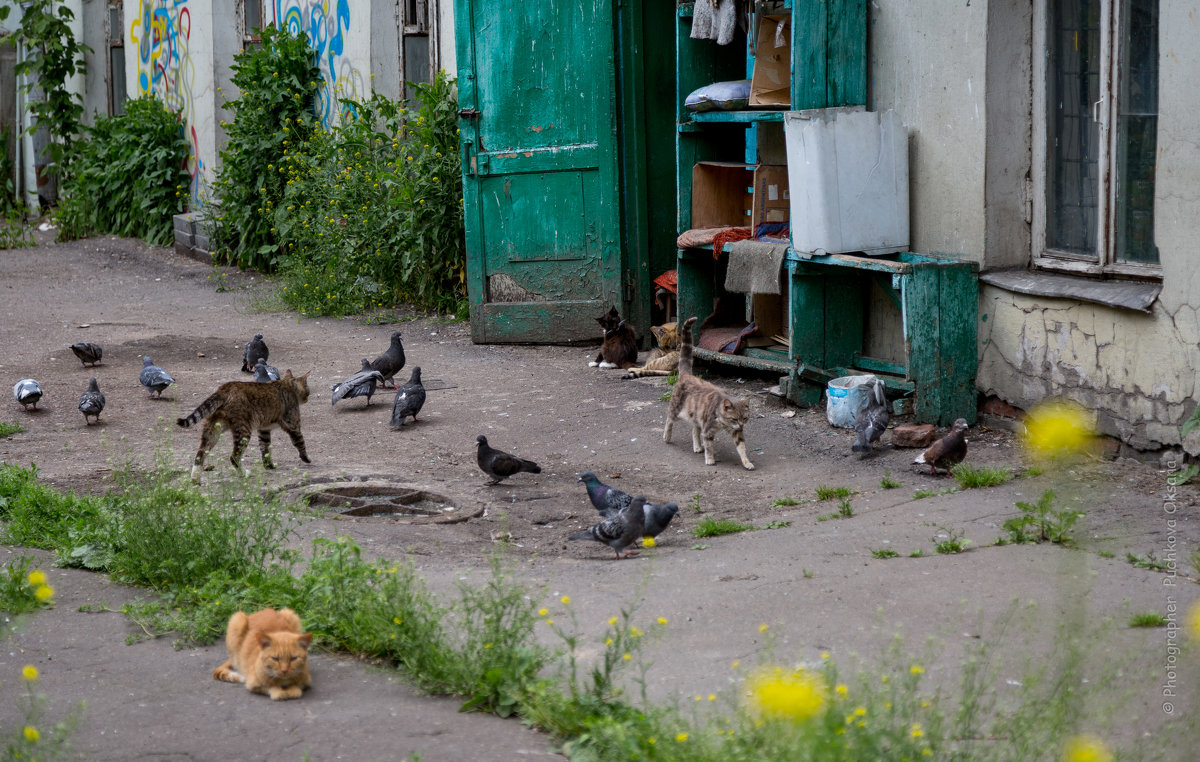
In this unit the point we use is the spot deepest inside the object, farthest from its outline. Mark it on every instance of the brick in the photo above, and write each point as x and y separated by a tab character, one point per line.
913	435
997	406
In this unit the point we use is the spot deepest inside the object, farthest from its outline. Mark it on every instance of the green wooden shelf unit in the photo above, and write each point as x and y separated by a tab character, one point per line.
936	297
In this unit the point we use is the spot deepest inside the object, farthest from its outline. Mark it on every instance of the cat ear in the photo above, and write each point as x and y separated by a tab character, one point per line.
264	640
304	639
287	374
658	331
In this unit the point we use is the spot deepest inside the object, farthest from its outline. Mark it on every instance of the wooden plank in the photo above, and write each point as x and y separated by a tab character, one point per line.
807	310
958	319
567	322
809	43
922	294
844	318
743	361
735	116
846	55
694	269
850	260
875	365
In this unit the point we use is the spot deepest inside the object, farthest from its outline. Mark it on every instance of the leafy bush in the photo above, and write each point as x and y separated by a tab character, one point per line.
372	210
1042	522
273	118
128	177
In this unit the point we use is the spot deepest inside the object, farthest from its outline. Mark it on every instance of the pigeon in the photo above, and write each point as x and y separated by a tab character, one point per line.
91	402
620	531
87	352
154	378
948	450
255	348
608	500
658	516
28	392
361	384
390	362
871	421
500	465
409	399
264	373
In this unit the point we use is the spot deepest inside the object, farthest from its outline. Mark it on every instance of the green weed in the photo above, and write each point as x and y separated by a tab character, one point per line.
887	482
775	525
714	527
921	494
1148	619
972	477
8	429
1147	561
844	509
694	503
918	553
1184	475
34	736
22	589
947	541
825	492
785	501
1041	522
1033	471
884	553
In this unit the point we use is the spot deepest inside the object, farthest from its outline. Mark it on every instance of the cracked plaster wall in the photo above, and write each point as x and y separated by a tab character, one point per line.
1137	371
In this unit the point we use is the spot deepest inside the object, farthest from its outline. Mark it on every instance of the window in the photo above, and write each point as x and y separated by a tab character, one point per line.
252	21
415	63
1095	126
116	59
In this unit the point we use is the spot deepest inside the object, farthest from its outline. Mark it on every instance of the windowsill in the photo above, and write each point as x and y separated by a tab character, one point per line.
1124	294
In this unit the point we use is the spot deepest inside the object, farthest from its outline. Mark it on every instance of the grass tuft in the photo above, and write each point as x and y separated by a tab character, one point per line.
884	553
714	527
887	482
973	477
8	429
825	492
1148	619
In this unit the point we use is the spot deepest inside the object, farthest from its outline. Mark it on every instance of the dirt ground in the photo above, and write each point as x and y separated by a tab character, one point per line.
815	583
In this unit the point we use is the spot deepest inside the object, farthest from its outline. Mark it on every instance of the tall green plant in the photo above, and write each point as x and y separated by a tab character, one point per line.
372	213
52	56
273	118
129	177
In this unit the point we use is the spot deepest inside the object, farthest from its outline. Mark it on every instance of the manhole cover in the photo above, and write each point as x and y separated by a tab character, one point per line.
383	501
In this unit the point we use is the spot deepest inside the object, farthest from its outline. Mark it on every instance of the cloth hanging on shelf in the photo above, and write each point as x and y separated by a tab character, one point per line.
714	20
754	267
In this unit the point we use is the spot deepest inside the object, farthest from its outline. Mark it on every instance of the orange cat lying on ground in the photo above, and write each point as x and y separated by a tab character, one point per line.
268	653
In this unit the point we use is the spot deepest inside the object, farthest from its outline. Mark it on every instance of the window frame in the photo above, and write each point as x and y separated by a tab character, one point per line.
1104	113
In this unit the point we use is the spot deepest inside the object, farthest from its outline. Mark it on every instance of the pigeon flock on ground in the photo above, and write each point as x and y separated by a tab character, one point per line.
624	518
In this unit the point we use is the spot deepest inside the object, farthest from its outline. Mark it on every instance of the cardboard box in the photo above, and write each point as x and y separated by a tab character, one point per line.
769	313
771	201
721	194
770	85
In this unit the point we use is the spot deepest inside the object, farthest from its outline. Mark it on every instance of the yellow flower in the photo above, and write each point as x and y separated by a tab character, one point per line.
566	600
1085	748
608	642
549	621
681	738
634	632
37	577
917	669
762	627
916	731
648	542
396	620
612	621
662	621
860	711
1192	622
627	656
542	612
1057	428
795	696
31	734
825	655
712	697
841	689
29	673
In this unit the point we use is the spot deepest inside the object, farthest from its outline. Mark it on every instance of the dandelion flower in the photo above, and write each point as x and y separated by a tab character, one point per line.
32	734
763	627
1192	622
681	738
37	577
916	731
917	669
796	696
29	673
662	621
627	656
612	621
648	542
396	620
1057	429
841	689
1085	748
566	600
542	612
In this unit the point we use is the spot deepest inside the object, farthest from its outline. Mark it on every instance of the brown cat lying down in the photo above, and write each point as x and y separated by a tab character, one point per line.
268	653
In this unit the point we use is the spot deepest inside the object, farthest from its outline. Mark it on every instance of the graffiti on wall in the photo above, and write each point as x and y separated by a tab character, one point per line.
326	23
160	33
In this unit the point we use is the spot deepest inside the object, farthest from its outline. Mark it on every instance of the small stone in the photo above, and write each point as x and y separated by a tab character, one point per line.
913	435
199	354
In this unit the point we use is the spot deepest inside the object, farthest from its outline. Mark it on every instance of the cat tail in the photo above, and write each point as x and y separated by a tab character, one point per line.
206	407
685	347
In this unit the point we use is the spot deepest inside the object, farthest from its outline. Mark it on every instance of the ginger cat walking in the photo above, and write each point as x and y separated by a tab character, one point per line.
268	653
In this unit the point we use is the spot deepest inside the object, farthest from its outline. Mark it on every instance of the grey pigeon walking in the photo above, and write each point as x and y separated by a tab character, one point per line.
87	352
947	451
608	500
872	420
91	402
390	362
28	392
361	384
264	373
620	531
154	378
658	516
500	465
255	348
409	399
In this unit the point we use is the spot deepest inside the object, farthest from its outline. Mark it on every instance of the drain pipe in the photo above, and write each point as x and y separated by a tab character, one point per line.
26	159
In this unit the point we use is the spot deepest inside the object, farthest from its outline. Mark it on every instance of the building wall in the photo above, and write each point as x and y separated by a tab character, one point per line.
1136	371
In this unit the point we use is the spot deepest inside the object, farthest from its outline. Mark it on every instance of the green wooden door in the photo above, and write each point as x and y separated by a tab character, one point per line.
539	139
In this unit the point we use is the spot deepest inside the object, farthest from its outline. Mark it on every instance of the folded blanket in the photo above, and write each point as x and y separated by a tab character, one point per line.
754	267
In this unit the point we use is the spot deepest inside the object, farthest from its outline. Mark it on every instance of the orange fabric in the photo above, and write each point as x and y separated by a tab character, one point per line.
668	280
729	236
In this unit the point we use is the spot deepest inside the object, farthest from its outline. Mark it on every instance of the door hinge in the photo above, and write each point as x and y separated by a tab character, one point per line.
630	289
468	113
